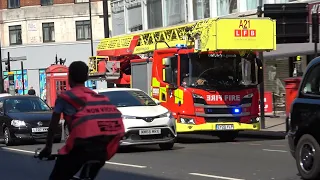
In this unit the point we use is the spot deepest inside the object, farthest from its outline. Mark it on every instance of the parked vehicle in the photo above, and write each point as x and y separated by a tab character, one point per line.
145	120
304	124
24	118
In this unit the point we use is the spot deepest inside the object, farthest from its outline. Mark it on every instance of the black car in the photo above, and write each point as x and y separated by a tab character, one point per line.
304	124
24	118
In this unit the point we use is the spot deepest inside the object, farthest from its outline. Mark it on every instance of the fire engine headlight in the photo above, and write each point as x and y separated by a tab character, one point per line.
185	120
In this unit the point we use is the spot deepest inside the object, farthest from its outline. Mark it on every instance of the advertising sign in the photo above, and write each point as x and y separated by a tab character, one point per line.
246	34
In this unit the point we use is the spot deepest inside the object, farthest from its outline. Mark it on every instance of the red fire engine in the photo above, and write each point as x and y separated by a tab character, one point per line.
205	72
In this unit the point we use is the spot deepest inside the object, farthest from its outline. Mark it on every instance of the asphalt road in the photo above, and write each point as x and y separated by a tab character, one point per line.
196	158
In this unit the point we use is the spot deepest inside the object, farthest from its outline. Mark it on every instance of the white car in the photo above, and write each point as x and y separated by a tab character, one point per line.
145	120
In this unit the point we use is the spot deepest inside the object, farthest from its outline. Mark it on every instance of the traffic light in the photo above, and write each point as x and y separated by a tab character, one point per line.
7	65
292	21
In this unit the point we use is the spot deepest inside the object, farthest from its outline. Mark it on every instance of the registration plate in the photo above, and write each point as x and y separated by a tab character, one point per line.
224	127
149	131
40	129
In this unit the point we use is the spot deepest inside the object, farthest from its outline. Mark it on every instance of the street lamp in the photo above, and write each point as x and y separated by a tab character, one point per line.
91	39
1	72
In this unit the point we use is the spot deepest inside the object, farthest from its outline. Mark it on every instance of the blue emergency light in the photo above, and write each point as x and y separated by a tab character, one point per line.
181	46
236	111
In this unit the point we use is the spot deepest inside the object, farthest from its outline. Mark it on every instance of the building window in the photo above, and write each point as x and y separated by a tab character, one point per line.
13	4
174	12
136	28
46	2
15	35
201	9
48	32
81	1
226	7
83	30
154	12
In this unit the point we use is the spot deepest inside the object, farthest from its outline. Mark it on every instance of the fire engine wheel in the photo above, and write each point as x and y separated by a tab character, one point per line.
228	136
166	146
308	157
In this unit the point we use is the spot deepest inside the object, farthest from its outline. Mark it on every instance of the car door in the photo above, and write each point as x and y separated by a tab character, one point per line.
305	110
2	116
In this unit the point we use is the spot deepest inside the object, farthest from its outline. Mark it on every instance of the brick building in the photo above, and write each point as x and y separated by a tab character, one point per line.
42	29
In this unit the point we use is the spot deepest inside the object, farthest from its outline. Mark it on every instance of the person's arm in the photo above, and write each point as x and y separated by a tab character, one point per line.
53	127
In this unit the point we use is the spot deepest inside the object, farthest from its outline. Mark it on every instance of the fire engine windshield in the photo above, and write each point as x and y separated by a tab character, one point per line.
217	71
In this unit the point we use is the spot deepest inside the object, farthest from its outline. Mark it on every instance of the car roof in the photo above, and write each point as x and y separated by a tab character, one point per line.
115	89
5	94
18	96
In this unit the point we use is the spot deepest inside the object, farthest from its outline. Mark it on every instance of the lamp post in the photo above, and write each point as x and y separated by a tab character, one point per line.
106	18
91	39
1	72
262	117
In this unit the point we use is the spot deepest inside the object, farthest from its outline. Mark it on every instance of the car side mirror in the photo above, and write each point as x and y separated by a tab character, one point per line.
173	86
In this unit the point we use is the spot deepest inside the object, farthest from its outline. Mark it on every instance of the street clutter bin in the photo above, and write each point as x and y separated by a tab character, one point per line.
292	87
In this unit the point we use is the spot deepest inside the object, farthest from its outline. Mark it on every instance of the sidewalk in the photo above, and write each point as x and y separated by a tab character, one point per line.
275	127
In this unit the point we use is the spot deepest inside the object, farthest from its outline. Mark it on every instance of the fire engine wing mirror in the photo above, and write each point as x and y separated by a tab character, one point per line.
172	86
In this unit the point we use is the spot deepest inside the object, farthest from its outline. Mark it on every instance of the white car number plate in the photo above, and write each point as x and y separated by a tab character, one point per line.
149	131
224	127
40	129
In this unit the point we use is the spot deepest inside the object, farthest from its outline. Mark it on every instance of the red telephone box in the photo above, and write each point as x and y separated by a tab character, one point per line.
57	82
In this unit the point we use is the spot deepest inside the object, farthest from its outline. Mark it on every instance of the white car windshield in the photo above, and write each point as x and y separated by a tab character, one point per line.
129	98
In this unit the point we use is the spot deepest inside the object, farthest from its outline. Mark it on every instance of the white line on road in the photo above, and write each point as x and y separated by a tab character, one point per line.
274	150
278	145
253	144
214	176
107	162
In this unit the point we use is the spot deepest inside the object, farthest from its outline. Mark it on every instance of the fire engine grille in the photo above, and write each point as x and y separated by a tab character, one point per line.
221	119
218	110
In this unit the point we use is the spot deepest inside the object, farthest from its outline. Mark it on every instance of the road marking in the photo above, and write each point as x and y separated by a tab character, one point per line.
107	162
129	165
253	144
274	150
213	176
278	145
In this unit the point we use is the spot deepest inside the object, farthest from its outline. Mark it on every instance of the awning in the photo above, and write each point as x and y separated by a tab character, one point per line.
289	50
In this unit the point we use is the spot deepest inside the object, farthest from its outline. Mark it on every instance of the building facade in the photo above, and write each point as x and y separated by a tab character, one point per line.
40	30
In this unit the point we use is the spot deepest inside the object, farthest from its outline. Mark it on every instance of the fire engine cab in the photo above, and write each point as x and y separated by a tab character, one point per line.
205	72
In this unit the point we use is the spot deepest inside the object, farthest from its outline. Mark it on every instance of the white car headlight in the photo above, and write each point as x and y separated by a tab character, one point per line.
128	117
167	114
18	123
185	120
